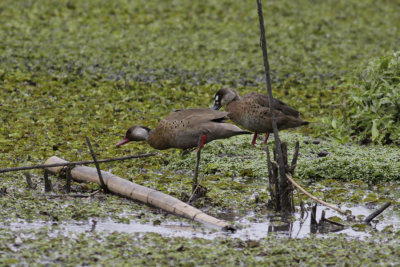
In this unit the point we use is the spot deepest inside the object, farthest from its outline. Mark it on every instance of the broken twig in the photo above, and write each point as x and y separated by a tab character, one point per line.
103	185
68	176
295	156
289	177
376	213
196	169
29	181
314	215
323	219
198	190
47	182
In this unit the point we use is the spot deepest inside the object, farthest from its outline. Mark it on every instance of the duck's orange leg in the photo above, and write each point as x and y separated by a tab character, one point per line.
253	142
266	138
203	140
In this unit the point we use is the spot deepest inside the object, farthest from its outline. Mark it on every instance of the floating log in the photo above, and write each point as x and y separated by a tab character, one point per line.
141	193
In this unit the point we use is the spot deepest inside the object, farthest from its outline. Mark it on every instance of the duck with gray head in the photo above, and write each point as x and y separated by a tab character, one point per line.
252	112
182	129
186	129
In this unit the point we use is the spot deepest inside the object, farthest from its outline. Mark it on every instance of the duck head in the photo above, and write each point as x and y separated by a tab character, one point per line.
224	96
135	133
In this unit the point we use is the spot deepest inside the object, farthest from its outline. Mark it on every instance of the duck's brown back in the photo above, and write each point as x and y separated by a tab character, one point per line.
263	101
182	128
253	113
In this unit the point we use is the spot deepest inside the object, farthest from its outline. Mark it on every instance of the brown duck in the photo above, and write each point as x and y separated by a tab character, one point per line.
252	112
183	128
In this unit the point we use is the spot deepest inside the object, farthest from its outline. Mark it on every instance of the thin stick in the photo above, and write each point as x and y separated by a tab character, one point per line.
103	185
29	181
295	156
289	177
43	166
314	215
376	213
269	165
68	176
322	216
196	169
263	42
323	220
332	222
70	195
272	184
3	191
93	226
47	181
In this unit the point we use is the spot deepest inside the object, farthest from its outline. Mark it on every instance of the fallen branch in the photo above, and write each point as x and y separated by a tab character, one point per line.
290	178
376	213
84	162
140	193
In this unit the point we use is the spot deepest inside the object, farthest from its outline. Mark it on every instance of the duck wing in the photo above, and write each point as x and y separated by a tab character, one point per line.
197	115
182	128
263	101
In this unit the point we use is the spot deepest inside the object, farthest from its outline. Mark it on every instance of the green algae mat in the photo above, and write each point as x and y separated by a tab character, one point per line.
70	69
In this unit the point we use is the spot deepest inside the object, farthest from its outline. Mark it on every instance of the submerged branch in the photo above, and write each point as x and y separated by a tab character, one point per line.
376	213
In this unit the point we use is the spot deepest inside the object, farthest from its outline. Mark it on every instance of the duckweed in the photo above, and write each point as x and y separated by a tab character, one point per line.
70	69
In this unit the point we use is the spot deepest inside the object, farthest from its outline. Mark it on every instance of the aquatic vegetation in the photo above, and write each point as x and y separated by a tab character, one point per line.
48	246
371	112
70	69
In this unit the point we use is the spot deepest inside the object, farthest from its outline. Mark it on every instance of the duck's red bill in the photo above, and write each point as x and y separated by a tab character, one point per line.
124	141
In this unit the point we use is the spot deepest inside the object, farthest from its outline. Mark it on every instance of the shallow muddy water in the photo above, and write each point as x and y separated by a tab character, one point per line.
248	230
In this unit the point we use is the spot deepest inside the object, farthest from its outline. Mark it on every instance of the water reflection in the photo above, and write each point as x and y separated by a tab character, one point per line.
298	226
